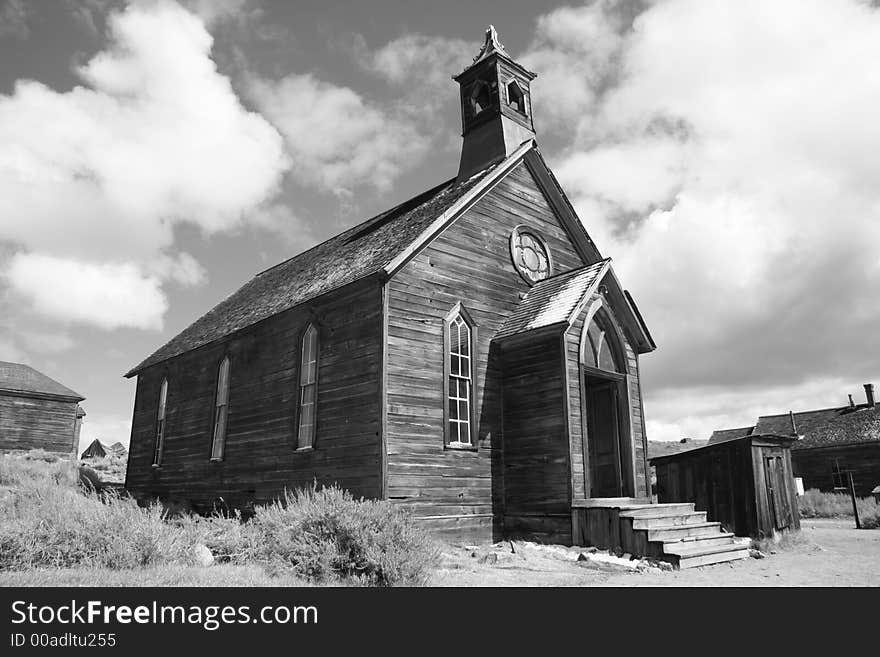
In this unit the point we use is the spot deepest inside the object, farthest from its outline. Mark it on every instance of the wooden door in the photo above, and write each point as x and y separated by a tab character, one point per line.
603	435
777	492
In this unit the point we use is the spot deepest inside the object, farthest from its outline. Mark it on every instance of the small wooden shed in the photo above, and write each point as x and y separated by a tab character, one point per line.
746	484
95	450
37	412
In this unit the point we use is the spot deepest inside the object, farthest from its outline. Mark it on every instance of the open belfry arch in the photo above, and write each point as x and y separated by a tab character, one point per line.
468	354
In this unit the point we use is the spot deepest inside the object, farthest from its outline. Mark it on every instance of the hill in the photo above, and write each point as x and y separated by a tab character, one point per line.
667	447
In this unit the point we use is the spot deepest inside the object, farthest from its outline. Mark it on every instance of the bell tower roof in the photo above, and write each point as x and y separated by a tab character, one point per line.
491	45
496	106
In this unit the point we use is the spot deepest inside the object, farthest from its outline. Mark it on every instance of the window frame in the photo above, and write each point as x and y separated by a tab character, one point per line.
300	387
605	325
450	442
513	82
227	361
514	245
161	423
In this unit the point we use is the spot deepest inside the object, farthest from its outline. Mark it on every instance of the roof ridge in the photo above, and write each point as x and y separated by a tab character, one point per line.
815	410
363	223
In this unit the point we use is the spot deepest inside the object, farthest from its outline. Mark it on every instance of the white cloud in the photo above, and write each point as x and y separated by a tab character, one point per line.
336	139
105	295
729	166
97	177
574	52
418	60
47	342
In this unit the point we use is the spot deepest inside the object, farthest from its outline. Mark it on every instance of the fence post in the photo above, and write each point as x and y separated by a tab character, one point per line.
852	495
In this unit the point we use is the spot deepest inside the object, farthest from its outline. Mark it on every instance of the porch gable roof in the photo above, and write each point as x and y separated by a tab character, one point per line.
555	300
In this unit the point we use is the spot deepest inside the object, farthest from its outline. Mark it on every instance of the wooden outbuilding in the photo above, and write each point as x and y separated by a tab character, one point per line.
468	354
745	483
832	443
37	412
95	450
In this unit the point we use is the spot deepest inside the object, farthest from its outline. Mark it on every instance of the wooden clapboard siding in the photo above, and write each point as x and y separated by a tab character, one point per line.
578	440
468	263
260	460
815	466
728	480
37	422
536	450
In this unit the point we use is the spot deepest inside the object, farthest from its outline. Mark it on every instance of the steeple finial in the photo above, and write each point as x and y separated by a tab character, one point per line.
490	45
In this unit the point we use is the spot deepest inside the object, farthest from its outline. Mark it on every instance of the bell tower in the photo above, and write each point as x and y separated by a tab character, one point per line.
496	107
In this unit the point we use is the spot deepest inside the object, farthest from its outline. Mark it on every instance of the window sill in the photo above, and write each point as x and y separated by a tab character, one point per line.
156	466
216	459
461	447
307	448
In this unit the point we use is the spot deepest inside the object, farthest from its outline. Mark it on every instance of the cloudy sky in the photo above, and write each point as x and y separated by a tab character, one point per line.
155	155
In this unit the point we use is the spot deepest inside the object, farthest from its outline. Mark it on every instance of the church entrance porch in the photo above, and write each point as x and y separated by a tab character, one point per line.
605	449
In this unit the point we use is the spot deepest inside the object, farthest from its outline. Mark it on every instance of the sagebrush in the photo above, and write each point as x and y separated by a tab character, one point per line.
324	534
50	516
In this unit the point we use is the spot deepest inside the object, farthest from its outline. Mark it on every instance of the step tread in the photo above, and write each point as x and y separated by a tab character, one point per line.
695	539
712	559
653	518
708	523
700	550
657	510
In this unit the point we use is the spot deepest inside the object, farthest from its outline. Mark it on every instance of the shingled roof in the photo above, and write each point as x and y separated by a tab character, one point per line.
20	378
553	300
361	251
827	427
722	435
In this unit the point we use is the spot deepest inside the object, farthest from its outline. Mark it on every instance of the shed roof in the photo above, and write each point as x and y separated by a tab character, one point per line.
554	300
20	378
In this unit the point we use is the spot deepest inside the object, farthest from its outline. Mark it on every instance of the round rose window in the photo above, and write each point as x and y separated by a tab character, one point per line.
530	255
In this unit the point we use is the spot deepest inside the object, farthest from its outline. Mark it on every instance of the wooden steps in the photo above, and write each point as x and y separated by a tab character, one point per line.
675	533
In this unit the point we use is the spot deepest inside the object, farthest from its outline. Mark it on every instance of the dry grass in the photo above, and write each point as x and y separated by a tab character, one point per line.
816	504
50	518
168	575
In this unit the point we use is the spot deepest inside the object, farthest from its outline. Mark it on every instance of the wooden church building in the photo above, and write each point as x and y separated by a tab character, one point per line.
468	354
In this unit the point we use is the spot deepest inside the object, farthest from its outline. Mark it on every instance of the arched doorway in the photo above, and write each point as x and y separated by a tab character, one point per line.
606	430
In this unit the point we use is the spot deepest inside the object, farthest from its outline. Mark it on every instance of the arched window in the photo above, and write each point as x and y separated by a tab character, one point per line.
221	405
308	387
160	423
600	344
459	343
515	97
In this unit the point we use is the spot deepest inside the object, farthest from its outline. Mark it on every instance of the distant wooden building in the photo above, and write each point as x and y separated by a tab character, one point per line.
832	443
37	412
97	449
744	483
468	354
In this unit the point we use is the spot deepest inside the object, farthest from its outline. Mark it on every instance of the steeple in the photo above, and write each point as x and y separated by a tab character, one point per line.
496	106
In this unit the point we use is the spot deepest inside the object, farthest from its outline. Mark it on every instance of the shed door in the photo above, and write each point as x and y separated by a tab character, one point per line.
777	492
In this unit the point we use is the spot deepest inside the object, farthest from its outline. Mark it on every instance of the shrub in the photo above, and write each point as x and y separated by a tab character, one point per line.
49	518
816	504
324	534
871	518
44	523
229	539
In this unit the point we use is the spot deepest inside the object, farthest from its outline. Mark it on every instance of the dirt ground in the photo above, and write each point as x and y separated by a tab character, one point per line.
825	553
